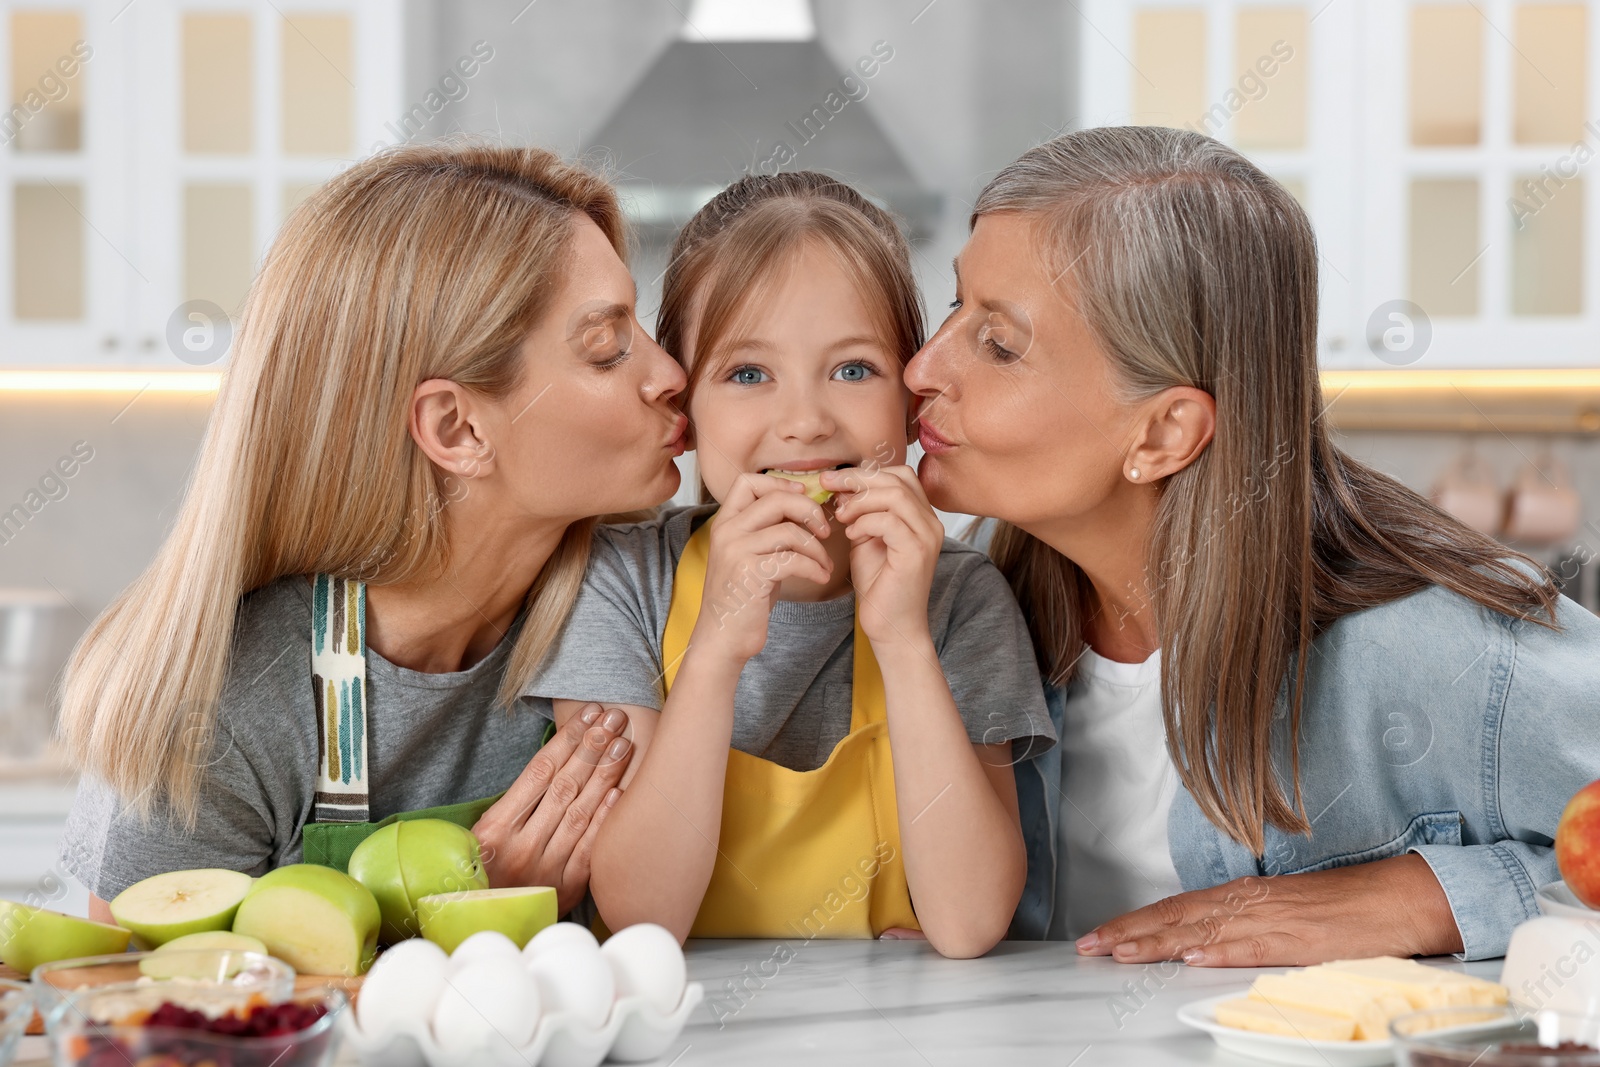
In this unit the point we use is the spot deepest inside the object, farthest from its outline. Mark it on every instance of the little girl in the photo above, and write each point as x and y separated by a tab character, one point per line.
826	700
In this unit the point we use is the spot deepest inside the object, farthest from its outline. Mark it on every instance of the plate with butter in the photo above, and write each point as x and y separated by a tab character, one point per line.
1334	1014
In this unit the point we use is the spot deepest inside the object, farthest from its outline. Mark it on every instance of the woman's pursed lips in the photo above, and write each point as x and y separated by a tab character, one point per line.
932	441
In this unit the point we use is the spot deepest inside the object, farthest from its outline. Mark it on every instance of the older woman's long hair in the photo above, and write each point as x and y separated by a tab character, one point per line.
428	261
1194	268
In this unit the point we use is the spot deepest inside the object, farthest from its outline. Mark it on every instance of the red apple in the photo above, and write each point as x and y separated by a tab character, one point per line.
1578	844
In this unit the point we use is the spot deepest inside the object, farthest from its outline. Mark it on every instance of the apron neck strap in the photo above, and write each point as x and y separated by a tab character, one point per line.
339	689
867	701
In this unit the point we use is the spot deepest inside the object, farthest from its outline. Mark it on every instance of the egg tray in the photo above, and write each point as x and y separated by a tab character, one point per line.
636	1032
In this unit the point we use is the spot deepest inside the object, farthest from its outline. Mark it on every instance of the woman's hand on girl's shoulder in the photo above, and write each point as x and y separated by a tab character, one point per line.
542	831
767	530
895	541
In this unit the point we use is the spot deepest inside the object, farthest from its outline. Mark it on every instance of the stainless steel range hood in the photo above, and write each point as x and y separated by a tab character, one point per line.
747	88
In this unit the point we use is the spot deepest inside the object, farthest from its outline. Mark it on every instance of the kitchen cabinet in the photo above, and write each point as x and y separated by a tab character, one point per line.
151	151
33	814
1443	150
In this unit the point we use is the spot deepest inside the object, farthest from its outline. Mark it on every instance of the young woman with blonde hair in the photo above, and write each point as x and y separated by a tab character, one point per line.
1265	659
438	384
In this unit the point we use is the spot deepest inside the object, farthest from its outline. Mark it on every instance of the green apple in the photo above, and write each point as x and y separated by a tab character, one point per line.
30	936
411	859
519	912
314	918
201	955
165	906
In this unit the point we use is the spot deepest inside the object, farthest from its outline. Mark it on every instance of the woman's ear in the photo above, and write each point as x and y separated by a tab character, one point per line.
1177	425
447	424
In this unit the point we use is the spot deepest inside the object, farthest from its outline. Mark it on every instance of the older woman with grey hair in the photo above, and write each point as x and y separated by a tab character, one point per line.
1304	713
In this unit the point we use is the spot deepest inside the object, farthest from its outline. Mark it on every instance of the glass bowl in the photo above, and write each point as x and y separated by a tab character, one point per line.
244	972
16	1011
1506	1036
79	1039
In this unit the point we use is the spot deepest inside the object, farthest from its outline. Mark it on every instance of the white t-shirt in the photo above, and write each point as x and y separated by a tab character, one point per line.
1117	787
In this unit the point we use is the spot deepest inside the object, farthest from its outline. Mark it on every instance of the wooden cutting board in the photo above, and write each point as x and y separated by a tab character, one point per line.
126	973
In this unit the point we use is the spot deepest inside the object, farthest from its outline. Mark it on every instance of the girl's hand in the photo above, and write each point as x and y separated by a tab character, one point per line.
1392	907
895	539
766	530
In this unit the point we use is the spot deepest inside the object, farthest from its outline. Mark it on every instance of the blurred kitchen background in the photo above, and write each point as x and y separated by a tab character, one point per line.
152	148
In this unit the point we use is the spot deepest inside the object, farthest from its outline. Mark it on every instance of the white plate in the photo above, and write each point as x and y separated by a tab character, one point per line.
1556	899
1201	1015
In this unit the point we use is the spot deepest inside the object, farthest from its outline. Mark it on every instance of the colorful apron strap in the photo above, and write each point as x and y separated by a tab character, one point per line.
339	686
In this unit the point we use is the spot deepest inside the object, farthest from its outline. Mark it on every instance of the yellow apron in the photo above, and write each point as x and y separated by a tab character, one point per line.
802	853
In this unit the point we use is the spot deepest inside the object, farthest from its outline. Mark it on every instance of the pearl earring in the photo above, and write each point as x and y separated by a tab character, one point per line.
1133	473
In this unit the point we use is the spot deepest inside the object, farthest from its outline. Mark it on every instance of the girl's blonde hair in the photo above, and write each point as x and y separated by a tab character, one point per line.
426	261
1194	268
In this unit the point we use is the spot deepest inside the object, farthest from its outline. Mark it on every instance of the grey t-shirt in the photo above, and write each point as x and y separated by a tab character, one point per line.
792	705
432	739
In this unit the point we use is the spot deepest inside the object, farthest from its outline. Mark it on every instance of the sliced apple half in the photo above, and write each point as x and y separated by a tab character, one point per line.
411	859
210	954
314	918
171	905
519	912
30	936
812	480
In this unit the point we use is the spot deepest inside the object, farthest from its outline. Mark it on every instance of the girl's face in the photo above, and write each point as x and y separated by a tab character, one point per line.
807	385
1020	419
591	428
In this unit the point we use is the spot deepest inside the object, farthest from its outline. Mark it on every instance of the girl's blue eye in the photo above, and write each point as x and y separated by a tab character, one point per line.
854	372
748	375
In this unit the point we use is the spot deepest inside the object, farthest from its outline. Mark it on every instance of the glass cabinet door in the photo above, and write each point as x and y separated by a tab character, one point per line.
70	256
1482	120
1272	78
266	100
141	193
1442	147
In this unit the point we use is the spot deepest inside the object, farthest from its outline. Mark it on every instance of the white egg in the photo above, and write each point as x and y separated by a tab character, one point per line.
558	935
489	1004
647	962
484	945
575	978
401	989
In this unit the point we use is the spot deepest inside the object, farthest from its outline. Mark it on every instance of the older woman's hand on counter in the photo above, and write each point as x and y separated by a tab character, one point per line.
542	831
1391	907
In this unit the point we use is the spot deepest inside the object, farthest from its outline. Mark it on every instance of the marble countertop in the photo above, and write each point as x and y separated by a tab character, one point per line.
899	1003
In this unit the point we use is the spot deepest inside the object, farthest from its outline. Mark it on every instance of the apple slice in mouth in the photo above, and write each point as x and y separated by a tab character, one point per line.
165	906
812	480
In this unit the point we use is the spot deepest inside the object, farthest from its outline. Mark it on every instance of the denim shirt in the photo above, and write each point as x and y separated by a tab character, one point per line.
1430	725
